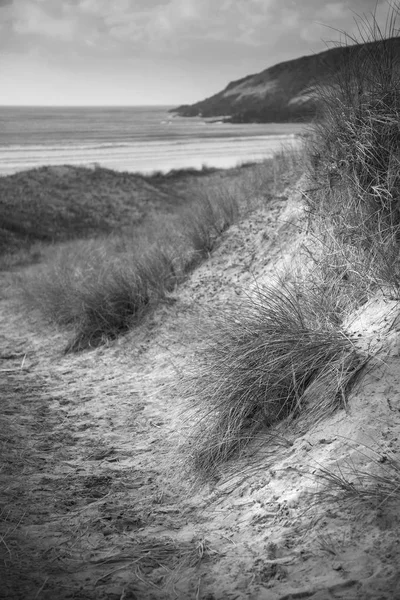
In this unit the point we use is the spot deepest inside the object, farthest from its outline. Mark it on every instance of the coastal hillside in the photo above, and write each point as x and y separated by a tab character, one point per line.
286	92
59	203
56	203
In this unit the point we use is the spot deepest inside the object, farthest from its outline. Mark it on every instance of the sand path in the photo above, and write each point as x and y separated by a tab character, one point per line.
95	502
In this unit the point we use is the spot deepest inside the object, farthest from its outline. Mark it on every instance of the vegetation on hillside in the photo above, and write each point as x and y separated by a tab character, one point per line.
52	204
103	286
354	159
288	91
285	354
276	356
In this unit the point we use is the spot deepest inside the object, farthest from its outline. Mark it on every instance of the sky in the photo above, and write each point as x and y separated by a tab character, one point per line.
159	52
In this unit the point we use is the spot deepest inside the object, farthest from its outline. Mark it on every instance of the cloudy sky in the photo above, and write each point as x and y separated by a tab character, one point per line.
106	52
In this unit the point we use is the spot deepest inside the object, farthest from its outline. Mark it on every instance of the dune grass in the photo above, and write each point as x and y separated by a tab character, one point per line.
58	204
277	354
377	485
354	160
102	287
282	355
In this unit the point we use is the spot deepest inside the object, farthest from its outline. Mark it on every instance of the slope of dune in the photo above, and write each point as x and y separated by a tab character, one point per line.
64	202
95	500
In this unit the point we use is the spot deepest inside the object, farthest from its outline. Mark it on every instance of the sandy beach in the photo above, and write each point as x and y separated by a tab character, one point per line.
133	139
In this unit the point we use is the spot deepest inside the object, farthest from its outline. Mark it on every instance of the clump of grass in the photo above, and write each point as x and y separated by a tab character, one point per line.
162	560
101	288
211	213
378	485
279	355
124	294
354	158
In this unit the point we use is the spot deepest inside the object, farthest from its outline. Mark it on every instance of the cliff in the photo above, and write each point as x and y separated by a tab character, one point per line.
286	92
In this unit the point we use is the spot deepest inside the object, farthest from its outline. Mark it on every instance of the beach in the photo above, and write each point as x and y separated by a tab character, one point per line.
134	139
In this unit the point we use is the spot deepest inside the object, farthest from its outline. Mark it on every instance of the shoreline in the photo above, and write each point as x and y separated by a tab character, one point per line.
134	140
150	157
173	173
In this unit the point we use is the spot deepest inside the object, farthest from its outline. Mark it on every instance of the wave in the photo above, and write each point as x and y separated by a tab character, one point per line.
145	156
73	146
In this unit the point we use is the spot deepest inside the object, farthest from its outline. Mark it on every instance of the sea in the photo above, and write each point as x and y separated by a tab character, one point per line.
141	139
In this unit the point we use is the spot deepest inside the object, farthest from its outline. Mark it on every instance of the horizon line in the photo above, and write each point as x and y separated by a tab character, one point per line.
86	105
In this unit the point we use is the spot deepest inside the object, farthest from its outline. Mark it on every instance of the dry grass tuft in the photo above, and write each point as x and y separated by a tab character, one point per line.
155	563
209	215
279	355
378	485
100	288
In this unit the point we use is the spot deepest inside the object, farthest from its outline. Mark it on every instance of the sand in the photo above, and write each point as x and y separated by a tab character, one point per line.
95	500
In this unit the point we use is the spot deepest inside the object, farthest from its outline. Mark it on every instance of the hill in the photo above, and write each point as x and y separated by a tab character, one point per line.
51	204
286	92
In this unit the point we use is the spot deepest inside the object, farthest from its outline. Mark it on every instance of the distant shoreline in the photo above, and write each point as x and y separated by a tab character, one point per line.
133	139
173	173
145	159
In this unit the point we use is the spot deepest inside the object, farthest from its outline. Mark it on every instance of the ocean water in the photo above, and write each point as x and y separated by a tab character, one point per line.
142	139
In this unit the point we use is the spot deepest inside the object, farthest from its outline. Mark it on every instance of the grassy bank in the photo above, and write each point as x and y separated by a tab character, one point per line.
62	203
284	354
53	204
103	286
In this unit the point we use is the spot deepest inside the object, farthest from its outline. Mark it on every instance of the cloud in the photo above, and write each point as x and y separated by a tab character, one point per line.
333	10
333	21
162	23
175	28
38	18
33	18
6	22
160	45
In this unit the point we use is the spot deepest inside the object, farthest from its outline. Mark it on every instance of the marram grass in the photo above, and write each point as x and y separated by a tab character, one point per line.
101	288
274	357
